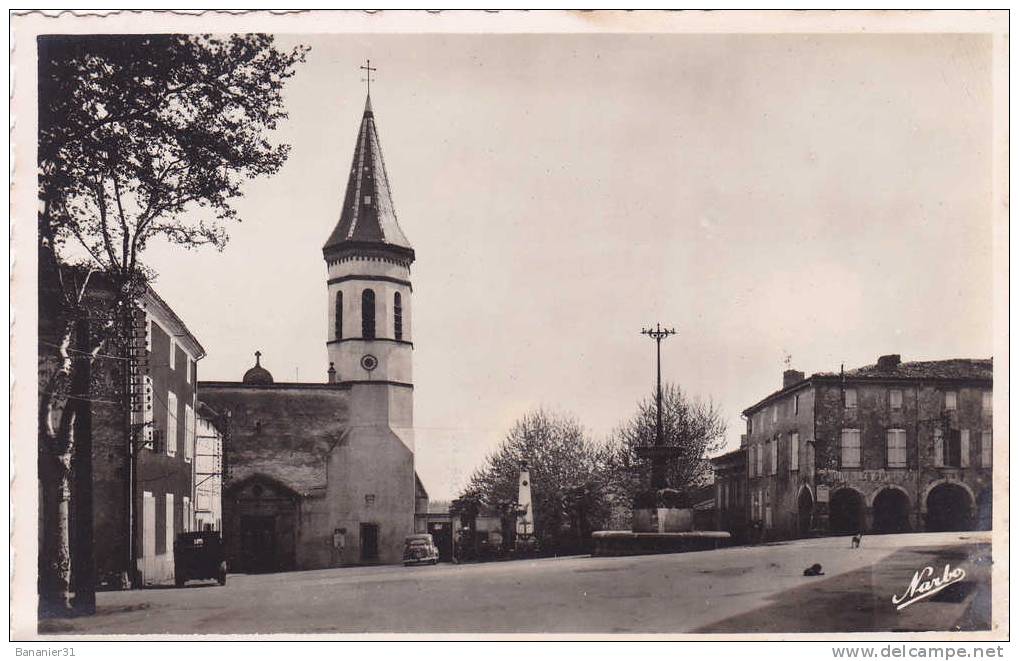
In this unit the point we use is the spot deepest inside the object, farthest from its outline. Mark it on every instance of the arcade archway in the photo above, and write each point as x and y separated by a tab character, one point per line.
805	512
891	511
847	513
949	508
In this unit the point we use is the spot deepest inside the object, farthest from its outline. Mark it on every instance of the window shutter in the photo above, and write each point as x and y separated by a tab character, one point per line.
986	451
794	451
939	448
964	448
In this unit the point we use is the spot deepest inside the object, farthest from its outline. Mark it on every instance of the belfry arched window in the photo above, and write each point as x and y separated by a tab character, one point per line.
368	314
339	315
398	316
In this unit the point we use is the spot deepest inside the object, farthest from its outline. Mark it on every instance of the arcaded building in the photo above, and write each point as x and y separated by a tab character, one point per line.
890	447
322	474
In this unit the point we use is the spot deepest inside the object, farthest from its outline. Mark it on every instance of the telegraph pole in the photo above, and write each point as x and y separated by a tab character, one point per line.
660	454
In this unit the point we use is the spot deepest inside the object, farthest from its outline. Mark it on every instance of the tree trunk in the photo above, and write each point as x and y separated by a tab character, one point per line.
83	566
54	533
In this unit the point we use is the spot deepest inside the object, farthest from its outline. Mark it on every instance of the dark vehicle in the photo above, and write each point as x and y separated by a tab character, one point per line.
420	549
198	555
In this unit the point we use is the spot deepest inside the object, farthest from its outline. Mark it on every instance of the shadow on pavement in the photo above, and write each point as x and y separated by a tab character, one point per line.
861	600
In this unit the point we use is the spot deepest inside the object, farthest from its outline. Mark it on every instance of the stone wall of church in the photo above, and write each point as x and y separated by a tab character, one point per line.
371	475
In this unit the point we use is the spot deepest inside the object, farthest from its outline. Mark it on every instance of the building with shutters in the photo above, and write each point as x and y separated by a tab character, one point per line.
143	449
890	447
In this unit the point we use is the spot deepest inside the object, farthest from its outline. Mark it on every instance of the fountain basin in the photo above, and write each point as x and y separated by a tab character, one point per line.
625	542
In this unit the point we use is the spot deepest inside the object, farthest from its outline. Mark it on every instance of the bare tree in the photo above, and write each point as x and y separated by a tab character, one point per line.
141	137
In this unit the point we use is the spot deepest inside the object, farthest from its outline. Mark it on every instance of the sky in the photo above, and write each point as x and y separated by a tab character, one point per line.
819	198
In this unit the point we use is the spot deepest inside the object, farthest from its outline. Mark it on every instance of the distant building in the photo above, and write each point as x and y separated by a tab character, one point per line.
208	498
731	492
890	447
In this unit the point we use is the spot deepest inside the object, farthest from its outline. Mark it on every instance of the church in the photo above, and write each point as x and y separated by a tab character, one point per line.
322	474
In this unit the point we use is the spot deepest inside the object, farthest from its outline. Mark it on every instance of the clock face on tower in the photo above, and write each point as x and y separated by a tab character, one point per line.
369	362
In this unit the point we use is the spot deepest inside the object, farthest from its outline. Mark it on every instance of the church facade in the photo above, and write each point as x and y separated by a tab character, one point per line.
322	474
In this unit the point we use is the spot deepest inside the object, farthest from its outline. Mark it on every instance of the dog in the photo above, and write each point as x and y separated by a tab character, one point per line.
857	538
813	570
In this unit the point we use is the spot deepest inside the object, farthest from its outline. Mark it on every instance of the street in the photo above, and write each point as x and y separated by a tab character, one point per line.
741	589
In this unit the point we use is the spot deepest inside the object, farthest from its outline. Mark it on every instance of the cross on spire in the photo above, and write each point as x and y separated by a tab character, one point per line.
258	357
368	69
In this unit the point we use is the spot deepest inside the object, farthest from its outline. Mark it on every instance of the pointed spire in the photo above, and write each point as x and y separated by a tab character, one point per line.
368	218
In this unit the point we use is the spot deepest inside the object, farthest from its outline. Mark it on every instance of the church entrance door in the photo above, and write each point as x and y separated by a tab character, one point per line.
369	542
258	544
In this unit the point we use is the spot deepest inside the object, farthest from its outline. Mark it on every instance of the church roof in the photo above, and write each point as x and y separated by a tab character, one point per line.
283	431
368	217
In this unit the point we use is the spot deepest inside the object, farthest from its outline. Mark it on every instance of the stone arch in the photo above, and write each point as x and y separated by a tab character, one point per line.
804	511
949	507
936	483
261	517
890	508
873	494
847	510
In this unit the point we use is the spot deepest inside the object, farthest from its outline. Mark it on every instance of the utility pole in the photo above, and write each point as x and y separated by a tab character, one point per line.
659	453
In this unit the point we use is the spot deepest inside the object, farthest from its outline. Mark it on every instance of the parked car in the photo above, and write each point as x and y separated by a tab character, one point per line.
419	549
198	555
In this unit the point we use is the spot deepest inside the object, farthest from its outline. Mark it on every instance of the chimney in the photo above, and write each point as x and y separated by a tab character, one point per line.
791	377
889	362
332	373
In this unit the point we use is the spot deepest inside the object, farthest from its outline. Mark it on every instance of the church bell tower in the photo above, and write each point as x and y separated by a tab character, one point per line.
368	260
371	483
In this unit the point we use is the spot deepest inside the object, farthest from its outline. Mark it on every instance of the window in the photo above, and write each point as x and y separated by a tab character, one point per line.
368	314
963	448
850	448
367	200
190	366
397	316
767	509
794	451
951	400
896	439
774	456
750	426
985	449
988	402
796	404
171	424
949	447
169	523
755	502
895	399
850	398
750	464
185	524
338	331
173	354
774	413
760	460
189	432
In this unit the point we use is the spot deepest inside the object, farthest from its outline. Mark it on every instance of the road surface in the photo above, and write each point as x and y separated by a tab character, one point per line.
740	589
